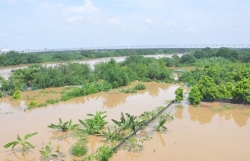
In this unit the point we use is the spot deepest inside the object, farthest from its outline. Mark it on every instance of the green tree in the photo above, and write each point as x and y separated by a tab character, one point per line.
195	96
188	59
207	88
223	91
178	94
242	90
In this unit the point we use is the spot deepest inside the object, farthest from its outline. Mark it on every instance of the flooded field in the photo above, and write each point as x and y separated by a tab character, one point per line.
196	133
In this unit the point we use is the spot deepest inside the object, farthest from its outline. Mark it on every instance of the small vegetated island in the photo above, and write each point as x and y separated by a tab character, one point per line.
220	73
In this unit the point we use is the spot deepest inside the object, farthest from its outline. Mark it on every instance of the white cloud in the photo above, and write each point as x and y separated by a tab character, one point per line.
87	11
192	29
149	21
87	8
172	23
73	19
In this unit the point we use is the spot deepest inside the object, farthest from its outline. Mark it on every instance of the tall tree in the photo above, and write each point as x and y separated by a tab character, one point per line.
207	88
242	90
195	96
178	94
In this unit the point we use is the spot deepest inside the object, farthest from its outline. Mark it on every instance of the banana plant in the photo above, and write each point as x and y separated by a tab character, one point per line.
64	126
160	126
162	120
112	135
47	152
127	123
94	125
25	145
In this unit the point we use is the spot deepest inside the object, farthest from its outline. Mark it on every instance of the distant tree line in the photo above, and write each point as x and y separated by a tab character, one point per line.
15	58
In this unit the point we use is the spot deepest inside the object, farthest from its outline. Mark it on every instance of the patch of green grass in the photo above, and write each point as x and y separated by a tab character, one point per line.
133	89
52	101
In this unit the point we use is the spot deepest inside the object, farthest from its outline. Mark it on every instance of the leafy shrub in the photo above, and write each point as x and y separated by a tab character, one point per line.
79	149
140	87
16	95
32	104
52	101
95	124
63	126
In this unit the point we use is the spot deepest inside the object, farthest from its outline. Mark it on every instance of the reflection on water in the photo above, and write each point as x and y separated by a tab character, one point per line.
159	135
202	114
25	157
196	129
178	113
109	99
205	115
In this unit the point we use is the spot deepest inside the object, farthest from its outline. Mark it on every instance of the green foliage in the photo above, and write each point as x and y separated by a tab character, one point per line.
64	126
114	135
140	87
188	59
32	104
79	148
103	153
94	125
134	88
195	96
179	94
242	90
25	145
208	88
129	122
52	101
162	120
223	92
16	95
47	152
132	144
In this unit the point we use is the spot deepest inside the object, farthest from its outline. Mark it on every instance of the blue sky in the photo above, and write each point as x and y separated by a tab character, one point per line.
39	24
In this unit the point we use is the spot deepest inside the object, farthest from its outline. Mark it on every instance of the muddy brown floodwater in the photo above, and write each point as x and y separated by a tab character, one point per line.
196	134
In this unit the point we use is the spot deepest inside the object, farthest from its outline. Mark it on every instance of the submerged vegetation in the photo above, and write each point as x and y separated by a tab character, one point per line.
64	126
217	74
23	142
124	132
134	89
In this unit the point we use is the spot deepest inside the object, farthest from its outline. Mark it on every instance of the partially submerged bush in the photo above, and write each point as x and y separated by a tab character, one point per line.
79	149
16	95
140	87
134	88
32	104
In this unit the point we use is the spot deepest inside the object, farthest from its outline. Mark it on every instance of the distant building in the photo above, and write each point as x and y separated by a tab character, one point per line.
4	50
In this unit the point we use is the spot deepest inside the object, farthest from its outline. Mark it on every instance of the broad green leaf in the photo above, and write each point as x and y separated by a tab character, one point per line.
54	155
11	144
29	135
27	143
